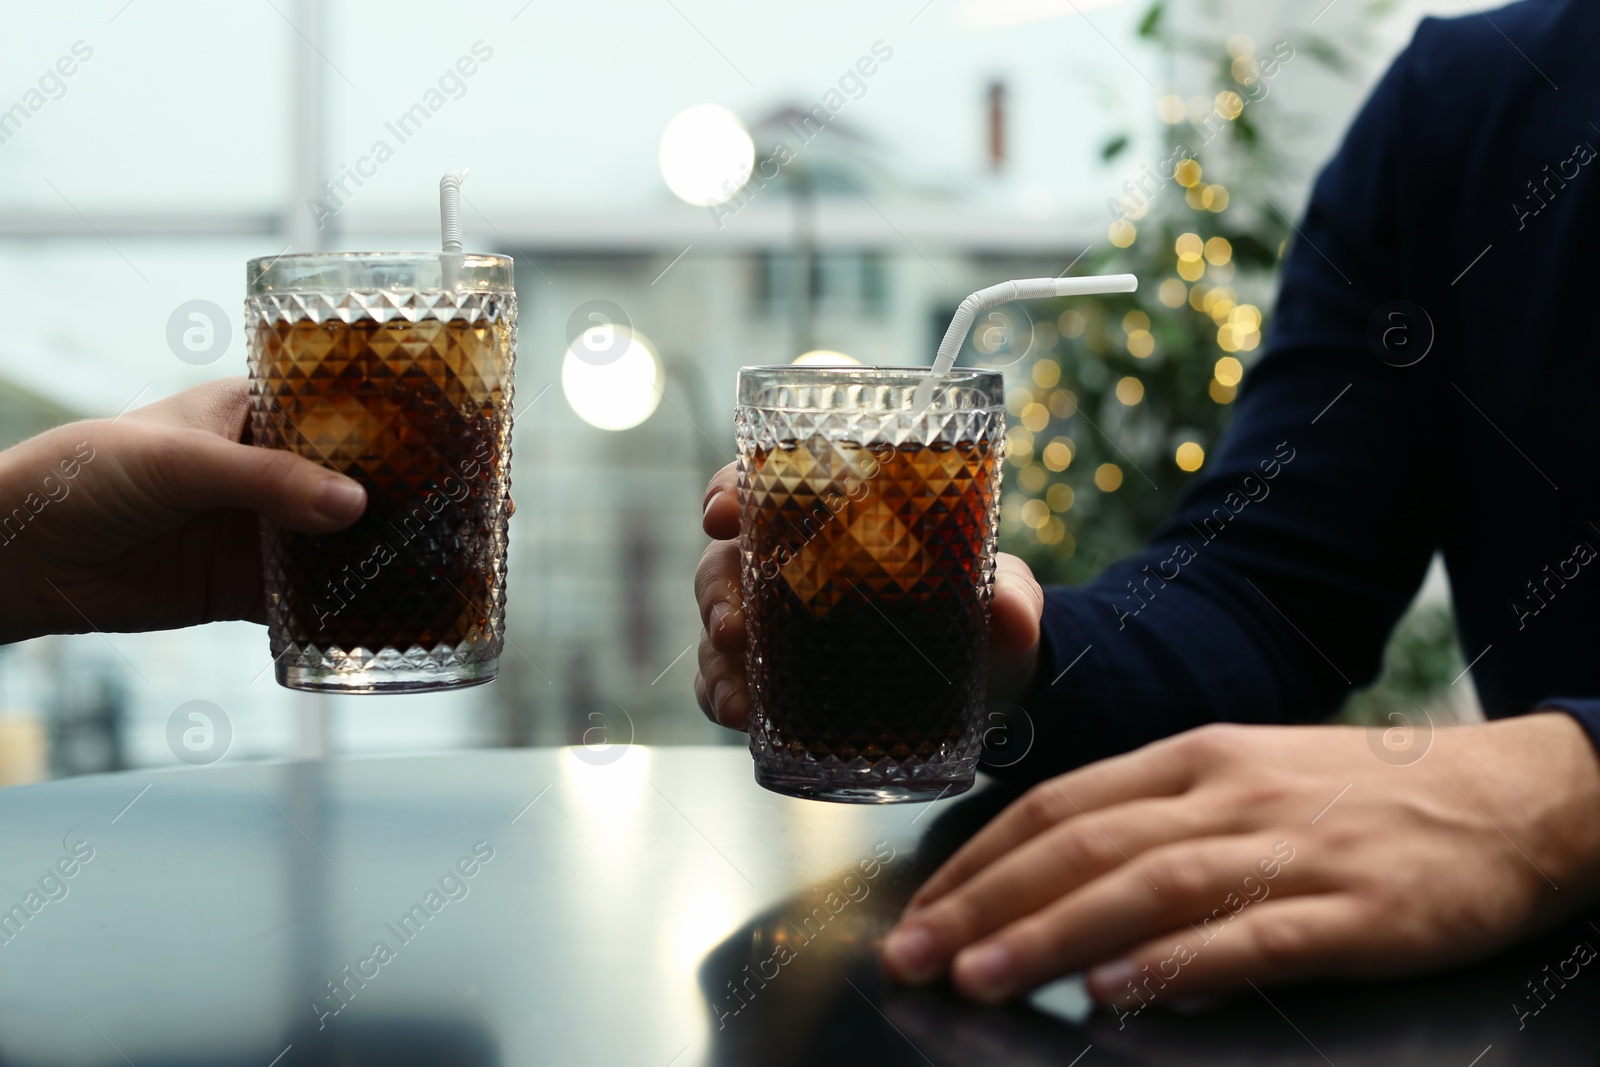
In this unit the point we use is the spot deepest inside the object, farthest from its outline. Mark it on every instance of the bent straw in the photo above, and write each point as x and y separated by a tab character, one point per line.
1004	293
450	223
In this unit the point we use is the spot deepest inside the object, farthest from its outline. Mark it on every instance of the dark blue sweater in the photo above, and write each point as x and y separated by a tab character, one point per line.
1467	188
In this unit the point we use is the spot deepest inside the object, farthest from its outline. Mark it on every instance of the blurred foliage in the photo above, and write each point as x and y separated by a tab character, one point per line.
1422	660
1122	397
1174	220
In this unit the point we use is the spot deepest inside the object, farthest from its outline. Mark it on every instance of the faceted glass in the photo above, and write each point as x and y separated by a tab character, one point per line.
396	370
867	542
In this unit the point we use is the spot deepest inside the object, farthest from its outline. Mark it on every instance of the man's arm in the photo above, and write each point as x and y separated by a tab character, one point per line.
1272	589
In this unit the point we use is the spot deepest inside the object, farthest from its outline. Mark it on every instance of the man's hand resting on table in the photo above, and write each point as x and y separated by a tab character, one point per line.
1234	854
1229	853
148	521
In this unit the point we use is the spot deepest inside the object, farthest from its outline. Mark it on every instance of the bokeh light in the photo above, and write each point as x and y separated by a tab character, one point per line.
618	395
1229	371
1019	446
825	357
706	155
1058	454
1108	477
1189	456
1130	391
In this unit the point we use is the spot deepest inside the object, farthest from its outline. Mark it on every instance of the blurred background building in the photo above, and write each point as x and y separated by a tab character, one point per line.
861	170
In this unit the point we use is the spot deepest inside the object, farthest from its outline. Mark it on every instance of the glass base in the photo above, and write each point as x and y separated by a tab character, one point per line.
847	786
388	680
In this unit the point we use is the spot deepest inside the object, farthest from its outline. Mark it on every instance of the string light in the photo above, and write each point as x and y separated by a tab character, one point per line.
1060	497
1121	233
1058	456
1189	456
1222	394
1019	446
1036	416
1228	371
1186	173
1230	105
1108	477
1130	391
1063	403
1218	251
1141	343
1046	373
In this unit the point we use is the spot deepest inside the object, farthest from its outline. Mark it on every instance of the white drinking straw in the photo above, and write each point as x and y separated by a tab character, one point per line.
450	223
1004	293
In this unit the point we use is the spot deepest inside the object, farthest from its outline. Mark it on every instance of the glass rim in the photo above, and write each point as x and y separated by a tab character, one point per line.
475	258
400	272
873	372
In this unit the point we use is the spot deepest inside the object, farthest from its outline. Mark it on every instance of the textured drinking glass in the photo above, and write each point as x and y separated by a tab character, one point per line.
394	369
867	540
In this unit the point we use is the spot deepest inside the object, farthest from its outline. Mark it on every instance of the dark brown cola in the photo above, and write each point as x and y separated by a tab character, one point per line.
868	587
415	412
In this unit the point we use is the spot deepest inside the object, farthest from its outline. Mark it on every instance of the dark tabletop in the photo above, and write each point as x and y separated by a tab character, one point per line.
656	910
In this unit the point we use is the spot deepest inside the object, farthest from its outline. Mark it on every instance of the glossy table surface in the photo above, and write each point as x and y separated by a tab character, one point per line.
648	907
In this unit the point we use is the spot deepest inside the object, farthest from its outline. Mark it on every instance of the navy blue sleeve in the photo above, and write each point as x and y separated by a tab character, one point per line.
1271	591
1587	712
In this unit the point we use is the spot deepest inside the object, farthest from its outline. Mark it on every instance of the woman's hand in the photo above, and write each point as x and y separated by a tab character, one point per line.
148	521
720	684
1235	854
